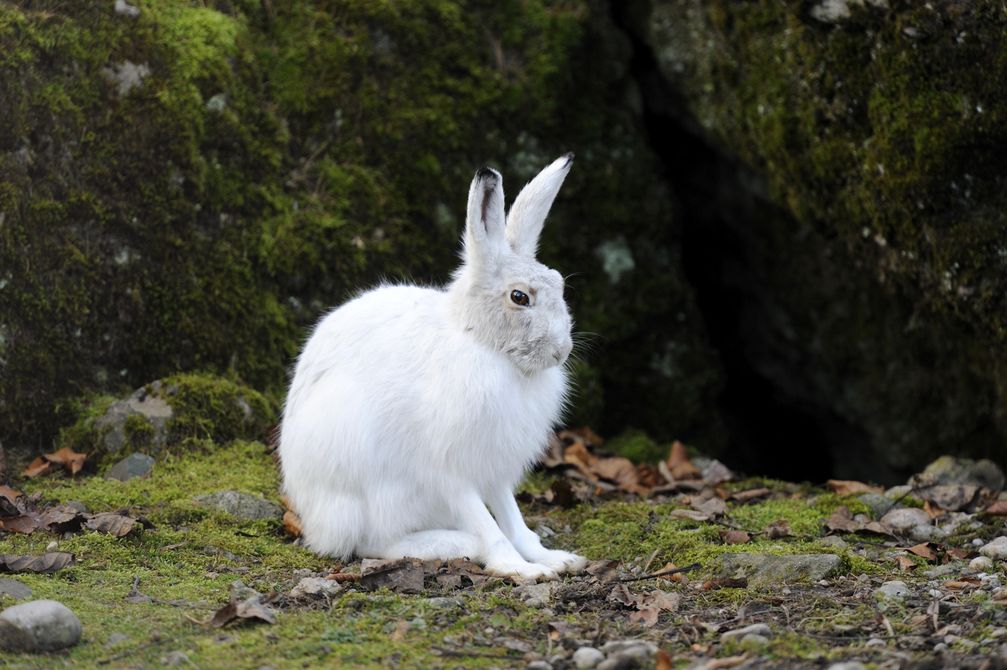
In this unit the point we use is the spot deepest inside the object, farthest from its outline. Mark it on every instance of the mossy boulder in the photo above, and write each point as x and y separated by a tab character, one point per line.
170	415
189	186
867	138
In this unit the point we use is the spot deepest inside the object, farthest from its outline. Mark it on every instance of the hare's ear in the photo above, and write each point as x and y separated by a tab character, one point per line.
527	214
485	221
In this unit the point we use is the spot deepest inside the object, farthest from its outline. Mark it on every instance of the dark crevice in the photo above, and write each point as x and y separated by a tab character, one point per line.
772	430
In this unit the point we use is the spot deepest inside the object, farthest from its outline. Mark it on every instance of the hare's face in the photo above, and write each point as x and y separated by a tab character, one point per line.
535	321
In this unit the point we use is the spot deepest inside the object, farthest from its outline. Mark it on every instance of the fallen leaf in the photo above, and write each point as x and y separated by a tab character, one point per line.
674	577
924	550
404	575
38	467
734	536
712	507
905	563
679	464
604	571
749	495
998	508
933	510
9	494
959	554
24	523
663	660
777	529
847	487
68	458
619	470
961	584
61	519
690	514
841	520
46	563
113	524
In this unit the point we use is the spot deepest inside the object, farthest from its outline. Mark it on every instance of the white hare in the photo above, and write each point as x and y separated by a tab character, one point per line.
414	412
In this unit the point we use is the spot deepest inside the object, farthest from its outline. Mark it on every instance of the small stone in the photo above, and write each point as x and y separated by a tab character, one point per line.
126	9
535	595
879	504
874	642
942	570
981	564
39	625
769	570
754	629
893	589
539	665
899	492
834	541
14	589
911	521
848	665
638	649
940	648
241	505
995	549
754	642
52	546
175	658
587	657
134	465
953	470
315	587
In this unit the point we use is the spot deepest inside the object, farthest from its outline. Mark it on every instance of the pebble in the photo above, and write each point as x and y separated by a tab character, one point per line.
893	589
133	466
834	541
912	521
848	665
626	654
755	629
241	505
996	549
535	595
981	564
587	657
539	665
315	586
39	625
14	589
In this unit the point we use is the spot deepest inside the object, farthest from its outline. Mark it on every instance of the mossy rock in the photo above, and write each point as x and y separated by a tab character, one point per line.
190	188
875	268
171	415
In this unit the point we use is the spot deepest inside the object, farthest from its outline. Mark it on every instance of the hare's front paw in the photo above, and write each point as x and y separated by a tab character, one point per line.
521	570
562	561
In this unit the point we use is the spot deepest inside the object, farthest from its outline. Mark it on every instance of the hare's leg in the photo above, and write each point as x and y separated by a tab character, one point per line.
498	554
527	543
430	544
332	524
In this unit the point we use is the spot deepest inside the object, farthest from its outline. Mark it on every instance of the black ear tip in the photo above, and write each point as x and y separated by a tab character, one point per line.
569	159
485	172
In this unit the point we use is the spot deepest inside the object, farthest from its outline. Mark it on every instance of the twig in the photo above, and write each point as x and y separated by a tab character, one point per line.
674	571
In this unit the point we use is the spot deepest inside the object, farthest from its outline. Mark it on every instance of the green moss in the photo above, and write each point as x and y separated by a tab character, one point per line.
637	446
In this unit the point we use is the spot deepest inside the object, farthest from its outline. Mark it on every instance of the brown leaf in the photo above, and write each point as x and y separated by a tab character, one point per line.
68	458
9	494
404	575
749	495
841	520
905	563
961	584
959	554
604	571
38	467
25	523
663	660
933	510
712	507
46	563
734	536
777	529
292	523
679	464
998	508
113	524
847	487
61	519
249	609
675	577
619	470
924	550
691	515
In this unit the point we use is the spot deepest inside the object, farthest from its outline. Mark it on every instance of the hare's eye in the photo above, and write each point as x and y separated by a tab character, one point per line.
519	298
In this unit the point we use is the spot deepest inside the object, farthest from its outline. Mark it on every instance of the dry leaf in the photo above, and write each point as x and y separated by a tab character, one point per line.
404	575
679	464
734	536
846	487
619	470
38	467
712	507
905	563
961	584
46	563
674	577
61	519
777	529
68	458
959	554
998	508
663	660
9	494
292	523
749	495
113	524
924	550
24	523
691	515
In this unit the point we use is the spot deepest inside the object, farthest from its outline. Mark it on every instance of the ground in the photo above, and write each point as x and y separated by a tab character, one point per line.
143	597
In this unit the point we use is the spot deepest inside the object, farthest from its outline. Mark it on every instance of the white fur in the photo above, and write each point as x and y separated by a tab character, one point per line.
414	412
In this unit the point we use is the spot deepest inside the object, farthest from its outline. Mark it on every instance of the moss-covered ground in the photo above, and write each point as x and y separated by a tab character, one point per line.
187	561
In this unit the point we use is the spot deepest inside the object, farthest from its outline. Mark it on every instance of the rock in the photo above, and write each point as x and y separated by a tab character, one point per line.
848	665
995	549
981	564
586	658
126	9
754	629
241	505
535	595
834	541
764	570
879	504
951	470
894	589
539	665
14	589
912	521
874	643
900	492
640	650
39	625
134	465
311	587
175	658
